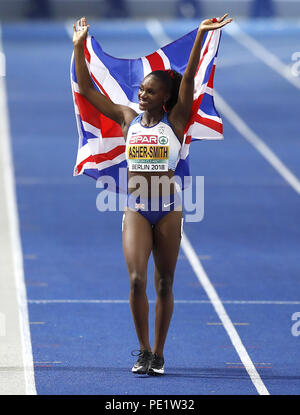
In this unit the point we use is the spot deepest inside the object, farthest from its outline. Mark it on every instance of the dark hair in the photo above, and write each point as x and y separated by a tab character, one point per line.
171	79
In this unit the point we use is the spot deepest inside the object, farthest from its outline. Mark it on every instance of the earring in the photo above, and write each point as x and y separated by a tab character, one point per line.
164	108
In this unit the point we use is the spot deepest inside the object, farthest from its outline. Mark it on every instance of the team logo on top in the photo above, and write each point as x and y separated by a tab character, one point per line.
143	139
163	139
161	129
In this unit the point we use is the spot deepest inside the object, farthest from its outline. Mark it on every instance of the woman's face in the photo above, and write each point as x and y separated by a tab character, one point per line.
152	94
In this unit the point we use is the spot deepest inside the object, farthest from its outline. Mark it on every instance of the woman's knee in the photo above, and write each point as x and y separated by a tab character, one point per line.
138	282
164	285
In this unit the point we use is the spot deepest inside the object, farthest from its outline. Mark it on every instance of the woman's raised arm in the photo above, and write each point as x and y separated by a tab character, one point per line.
121	114
180	114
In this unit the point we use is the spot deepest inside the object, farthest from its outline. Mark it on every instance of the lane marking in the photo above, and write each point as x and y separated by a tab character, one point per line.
202	257
32	181
14	237
262	53
239	363
223	316
47	362
37	284
221	324
29	256
157	32
69	27
257	142
116	301
257	367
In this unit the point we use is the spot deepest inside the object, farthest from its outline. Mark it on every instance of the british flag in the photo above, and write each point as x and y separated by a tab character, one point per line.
101	148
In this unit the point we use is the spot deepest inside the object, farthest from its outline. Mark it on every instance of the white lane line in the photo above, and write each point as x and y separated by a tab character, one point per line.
14	236
156	30
221	312
257	363
262	53
221	324
69	27
256	141
117	301
47	362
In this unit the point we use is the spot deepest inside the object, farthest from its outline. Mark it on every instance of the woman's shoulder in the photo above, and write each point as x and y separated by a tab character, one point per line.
132	119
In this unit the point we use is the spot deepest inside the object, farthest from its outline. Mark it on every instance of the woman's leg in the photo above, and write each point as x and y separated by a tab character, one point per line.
167	237
137	245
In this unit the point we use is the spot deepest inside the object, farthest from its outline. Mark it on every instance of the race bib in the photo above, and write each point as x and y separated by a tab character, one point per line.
148	153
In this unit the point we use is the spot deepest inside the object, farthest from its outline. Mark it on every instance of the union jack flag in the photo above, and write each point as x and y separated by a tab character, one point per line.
101	148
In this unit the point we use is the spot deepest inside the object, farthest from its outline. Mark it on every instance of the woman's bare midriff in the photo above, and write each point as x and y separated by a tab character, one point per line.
152	184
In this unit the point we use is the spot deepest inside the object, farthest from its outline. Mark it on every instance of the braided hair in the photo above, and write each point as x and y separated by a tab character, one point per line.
171	79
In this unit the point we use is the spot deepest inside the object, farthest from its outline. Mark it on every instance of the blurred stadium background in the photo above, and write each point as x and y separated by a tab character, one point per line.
61	9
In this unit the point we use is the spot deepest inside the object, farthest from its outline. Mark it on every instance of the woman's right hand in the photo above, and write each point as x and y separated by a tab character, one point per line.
215	23
80	34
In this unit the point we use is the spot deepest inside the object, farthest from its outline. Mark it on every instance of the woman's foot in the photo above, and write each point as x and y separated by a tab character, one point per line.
141	366
156	366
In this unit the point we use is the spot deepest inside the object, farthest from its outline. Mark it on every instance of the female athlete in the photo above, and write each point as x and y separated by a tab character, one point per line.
153	142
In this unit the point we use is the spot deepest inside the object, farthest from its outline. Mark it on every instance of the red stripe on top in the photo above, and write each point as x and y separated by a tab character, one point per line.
214	125
156	62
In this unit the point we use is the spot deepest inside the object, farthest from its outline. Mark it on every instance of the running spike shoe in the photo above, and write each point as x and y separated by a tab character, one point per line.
157	366
143	362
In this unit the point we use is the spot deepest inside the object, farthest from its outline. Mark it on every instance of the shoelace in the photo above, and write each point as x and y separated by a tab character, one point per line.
142	354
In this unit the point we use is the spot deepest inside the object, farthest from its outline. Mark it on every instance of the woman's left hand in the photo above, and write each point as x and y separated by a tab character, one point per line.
213	24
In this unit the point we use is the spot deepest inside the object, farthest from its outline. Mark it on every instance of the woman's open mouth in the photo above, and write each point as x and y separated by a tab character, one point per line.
142	103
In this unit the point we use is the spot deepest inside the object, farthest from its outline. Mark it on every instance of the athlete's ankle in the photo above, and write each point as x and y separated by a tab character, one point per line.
158	353
143	347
